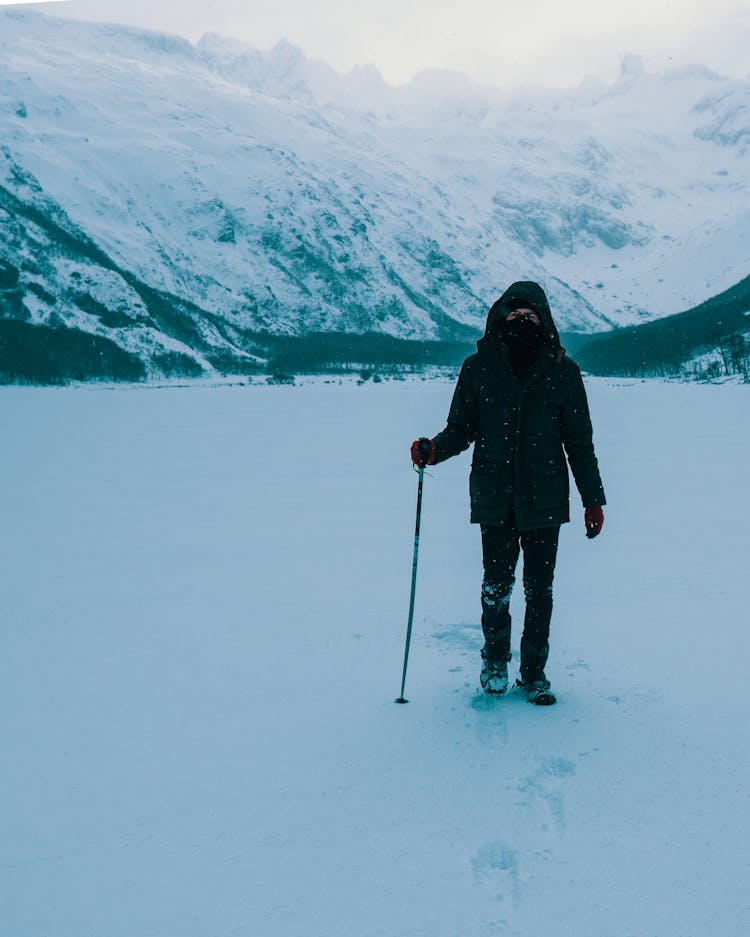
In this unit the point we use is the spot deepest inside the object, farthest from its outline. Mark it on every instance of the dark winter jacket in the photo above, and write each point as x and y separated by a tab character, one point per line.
522	428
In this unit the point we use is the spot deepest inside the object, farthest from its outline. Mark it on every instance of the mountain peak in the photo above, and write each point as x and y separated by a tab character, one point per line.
288	51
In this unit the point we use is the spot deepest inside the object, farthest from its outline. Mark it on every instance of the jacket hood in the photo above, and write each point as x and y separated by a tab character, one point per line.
524	293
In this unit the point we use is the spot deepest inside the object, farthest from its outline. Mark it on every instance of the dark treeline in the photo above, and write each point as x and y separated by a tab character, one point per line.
331	352
43	354
39	354
667	347
708	342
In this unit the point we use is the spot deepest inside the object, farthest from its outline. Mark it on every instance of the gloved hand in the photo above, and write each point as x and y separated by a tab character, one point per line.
423	451
593	518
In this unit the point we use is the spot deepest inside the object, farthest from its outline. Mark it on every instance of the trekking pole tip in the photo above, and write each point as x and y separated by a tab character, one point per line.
401	700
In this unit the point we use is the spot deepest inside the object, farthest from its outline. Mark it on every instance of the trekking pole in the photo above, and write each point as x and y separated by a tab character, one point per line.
401	698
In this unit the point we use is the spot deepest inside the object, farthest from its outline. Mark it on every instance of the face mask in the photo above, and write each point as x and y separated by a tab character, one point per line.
522	333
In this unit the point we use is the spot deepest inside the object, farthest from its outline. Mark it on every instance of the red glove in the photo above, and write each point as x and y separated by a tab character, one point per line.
423	451
593	518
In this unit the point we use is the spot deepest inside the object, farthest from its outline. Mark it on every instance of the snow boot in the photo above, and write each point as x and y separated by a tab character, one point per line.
494	676
537	690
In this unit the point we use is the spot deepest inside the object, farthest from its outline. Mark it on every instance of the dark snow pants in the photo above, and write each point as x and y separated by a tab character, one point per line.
501	544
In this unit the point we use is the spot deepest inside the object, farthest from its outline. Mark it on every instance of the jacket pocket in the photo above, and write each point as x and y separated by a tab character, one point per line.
483	489
550	487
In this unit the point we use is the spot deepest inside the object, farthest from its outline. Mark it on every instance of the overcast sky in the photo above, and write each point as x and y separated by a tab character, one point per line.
500	43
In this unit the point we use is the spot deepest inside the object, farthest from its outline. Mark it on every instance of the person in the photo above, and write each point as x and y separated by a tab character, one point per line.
520	399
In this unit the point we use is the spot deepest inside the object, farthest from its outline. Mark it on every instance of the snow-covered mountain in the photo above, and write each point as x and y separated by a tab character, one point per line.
707	342
266	192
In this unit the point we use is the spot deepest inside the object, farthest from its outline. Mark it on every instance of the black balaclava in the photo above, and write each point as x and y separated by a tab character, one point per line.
523	338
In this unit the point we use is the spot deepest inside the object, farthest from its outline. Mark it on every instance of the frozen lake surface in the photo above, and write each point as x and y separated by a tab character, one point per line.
205	593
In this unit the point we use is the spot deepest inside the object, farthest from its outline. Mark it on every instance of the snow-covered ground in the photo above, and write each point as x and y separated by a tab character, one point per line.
204	608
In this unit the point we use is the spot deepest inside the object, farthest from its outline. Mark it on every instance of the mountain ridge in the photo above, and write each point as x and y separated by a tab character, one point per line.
709	341
275	213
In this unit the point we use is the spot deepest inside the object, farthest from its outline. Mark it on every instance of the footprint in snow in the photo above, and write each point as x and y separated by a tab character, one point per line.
559	767
497	864
466	638
544	794
492	730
